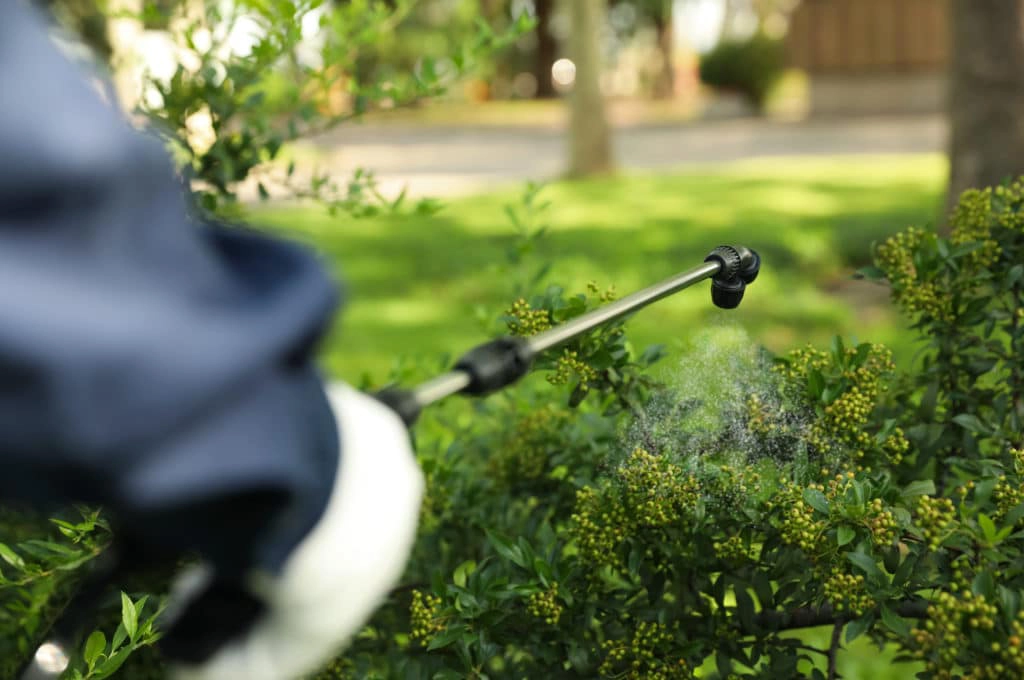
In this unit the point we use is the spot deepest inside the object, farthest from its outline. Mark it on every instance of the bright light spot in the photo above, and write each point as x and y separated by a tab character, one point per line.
563	72
311	23
202	39
51	658
699	23
199	131
245	34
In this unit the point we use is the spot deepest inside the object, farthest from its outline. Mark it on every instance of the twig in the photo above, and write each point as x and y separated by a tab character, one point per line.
810	617
833	649
808	648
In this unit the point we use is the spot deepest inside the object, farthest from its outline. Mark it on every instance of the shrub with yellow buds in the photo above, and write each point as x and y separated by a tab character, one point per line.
524	320
937	519
846	593
424	615
545	605
950	630
646	492
642	656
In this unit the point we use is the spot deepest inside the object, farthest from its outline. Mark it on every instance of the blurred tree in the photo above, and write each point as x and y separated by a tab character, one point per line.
547	49
589	136
986	102
655	15
729	13
661	15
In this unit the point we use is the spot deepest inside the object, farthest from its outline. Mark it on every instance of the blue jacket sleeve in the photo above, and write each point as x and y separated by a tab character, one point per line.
148	363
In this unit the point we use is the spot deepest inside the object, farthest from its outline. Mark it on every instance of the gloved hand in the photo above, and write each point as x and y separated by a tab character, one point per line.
344	568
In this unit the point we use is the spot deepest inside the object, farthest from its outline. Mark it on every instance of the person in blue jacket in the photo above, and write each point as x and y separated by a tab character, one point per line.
162	368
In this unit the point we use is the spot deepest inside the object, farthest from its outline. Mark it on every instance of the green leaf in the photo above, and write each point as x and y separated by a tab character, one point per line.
984	584
462	571
815	383
94	646
922	487
543	570
988	527
866	563
744	607
10	557
838	348
120	635
971	423
129	617
763	589
894	622
816	499
446	637
872	273
510	552
903	572
855	628
111	664
844	535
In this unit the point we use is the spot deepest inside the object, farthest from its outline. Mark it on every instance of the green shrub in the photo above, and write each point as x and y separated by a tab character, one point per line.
751	67
648	534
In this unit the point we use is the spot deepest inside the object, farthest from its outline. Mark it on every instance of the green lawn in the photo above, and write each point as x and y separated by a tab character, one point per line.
414	281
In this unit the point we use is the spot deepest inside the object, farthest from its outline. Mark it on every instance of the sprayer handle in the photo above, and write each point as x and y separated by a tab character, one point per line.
402	402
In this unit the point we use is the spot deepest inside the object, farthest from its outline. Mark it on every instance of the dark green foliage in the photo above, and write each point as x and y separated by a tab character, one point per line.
560	542
751	67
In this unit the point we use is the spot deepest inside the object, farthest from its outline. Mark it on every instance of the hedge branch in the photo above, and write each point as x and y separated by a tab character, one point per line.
812	617
833	649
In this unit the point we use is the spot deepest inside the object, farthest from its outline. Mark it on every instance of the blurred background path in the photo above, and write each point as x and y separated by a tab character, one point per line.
451	160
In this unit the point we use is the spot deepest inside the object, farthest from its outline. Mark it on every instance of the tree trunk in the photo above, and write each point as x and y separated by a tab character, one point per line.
986	98
547	50
589	136
728	20
665	81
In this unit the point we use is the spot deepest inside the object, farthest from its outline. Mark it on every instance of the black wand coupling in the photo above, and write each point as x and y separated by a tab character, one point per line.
739	266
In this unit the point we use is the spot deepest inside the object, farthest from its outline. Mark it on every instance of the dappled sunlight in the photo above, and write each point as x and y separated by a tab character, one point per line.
853	171
413	311
430	285
807	245
794	200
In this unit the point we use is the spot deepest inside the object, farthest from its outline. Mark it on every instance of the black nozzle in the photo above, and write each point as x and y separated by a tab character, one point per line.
739	266
727	294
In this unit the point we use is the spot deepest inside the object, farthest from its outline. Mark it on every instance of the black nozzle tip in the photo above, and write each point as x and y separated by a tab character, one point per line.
727	294
739	266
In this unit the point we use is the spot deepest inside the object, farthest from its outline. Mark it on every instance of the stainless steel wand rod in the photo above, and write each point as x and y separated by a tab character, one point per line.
458	380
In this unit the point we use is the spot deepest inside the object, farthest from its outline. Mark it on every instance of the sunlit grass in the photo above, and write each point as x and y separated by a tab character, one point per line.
414	282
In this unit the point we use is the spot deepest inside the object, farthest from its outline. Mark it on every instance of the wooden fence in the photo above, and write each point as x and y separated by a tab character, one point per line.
851	36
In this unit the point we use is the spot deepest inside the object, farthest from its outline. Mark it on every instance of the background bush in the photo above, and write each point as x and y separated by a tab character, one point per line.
751	67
